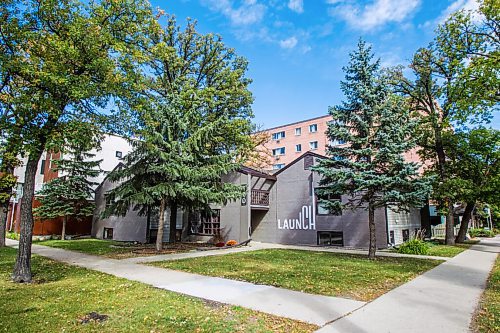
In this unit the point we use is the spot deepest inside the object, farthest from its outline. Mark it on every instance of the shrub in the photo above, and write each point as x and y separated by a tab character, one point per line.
414	246
12	235
231	242
481	233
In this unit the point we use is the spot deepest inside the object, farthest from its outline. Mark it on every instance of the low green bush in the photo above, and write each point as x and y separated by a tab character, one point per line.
481	233
414	246
12	235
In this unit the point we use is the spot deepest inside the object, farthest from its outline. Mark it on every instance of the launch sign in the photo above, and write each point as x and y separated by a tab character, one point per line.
305	221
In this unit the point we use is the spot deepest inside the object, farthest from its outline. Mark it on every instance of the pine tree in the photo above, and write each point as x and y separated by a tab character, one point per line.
377	130
72	193
194	127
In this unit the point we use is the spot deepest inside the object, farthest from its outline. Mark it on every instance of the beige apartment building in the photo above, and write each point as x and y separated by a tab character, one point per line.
288	142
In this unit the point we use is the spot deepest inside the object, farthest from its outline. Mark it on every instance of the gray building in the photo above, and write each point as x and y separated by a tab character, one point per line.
280	208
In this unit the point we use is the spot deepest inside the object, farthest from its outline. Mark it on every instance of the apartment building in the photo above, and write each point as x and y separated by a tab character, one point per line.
287	142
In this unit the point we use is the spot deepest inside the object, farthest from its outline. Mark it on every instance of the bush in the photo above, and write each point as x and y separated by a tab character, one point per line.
232	242
481	233
414	246
12	235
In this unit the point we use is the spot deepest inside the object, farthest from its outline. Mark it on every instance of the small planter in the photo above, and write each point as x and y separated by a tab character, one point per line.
231	242
219	244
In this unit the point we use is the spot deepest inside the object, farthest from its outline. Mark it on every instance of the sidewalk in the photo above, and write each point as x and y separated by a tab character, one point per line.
440	300
314	309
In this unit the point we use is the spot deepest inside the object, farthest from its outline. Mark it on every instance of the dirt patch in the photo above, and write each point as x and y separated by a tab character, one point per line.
149	250
93	317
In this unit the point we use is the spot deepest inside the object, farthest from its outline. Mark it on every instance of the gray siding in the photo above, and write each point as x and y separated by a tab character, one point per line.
399	221
130	227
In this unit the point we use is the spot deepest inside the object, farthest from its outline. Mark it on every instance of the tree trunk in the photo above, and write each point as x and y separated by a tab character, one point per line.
373	235
63	232
450	230
22	269
464	226
161	222
3	222
173	222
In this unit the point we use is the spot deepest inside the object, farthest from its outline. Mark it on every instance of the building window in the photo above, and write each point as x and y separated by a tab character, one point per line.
298	148
313	128
206	223
42	167
118	154
331	238
308	162
337	142
279	151
108	233
279	135
391	237
322	209
313	145
110	199
406	235
298	131
278	166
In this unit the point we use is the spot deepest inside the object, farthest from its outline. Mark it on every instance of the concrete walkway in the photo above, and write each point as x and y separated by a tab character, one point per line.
314	309
440	300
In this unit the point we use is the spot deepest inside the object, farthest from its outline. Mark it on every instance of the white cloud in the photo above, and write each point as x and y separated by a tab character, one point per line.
375	14
289	43
296	5
456	6
248	12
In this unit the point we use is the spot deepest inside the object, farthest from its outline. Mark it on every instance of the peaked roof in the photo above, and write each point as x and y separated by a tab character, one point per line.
119	165
307	153
249	171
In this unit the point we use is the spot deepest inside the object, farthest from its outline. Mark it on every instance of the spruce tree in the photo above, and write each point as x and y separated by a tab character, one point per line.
377	129
71	194
194	127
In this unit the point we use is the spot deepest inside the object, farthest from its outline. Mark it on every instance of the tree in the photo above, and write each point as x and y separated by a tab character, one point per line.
455	84
72	192
378	130
194	126
65	60
474	163
7	182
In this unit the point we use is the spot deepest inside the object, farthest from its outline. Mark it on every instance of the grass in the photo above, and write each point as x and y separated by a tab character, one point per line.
113	249
441	250
321	273
63	294
487	317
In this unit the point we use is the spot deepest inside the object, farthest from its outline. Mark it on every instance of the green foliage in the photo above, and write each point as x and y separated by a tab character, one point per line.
378	130
487	317
414	246
72	192
331	274
12	235
194	123
475	232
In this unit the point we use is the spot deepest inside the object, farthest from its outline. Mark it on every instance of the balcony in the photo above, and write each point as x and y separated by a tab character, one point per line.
259	199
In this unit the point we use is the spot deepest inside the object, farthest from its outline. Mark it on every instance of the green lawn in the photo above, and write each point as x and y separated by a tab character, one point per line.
440	250
487	317
322	273
62	294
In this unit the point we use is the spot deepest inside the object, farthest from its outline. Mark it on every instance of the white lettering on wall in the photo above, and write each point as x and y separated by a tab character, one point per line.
306	220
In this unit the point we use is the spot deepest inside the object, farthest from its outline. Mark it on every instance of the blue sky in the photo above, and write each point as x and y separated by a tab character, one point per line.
296	48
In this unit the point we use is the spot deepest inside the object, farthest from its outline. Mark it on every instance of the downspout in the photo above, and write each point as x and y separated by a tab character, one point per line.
387	226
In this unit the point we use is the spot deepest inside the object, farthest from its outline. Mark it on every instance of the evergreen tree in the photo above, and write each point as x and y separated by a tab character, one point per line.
71	194
377	129
194	127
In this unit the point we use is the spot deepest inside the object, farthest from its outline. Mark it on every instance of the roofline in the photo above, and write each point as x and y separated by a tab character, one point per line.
307	153
250	171
119	165
290	124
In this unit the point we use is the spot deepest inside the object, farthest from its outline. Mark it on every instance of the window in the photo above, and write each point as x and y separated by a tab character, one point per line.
206	223
337	142
279	151
406	235
42	167
118	154
322	209
313	128
298	131
391	237
331	238
278	135
308	162
278	166
298	148
108	233
313	145
110	199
